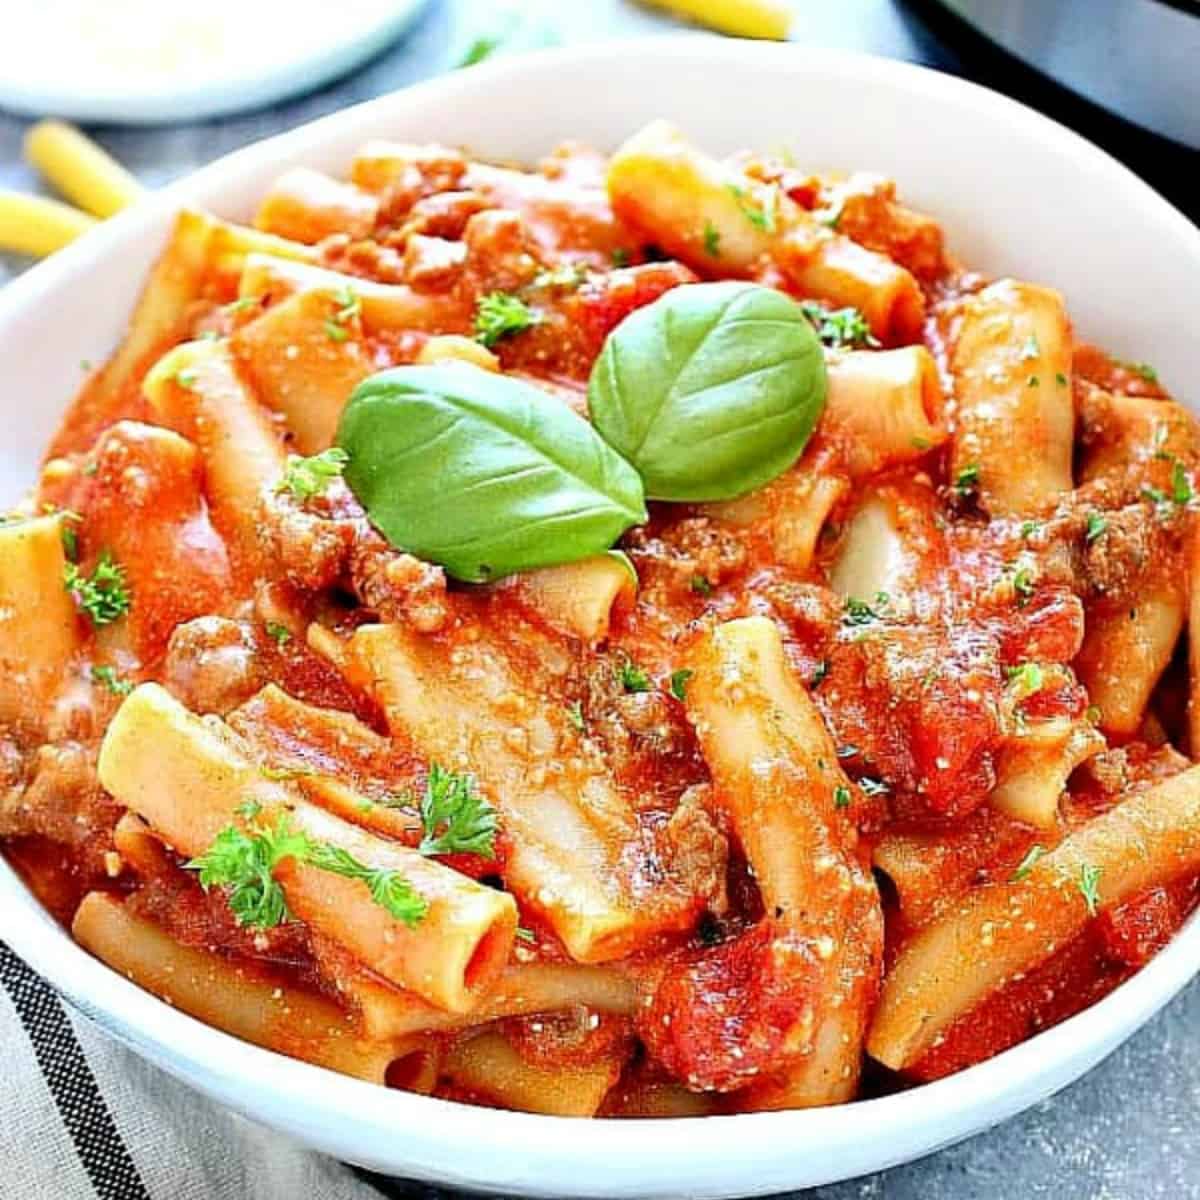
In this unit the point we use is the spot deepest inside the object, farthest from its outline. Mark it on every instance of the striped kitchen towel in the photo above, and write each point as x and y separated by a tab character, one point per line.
82	1118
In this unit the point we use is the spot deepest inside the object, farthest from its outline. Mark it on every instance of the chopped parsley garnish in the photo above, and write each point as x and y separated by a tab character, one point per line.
186	377
349	305
1033	381
873	787
336	332
244	863
701	585
1030	348
1029	528
389	889
1027	863
1145	370
1060	379
108	677
69	534
712	240
103	595
966	482
679	681
1023	585
526	935
305	478
86	365
575	715
279	634
1157	495
820	671
859	612
841	796
831	216
761	217
500	315
1089	886
456	819
1097	523
1026	680
920	443
243	303
621	257
1093	714
839	328
633	678
1181	485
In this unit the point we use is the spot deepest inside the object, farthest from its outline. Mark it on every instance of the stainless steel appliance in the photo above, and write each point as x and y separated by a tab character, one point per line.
1138	58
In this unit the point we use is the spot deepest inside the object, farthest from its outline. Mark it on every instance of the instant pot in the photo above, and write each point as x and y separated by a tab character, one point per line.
1138	58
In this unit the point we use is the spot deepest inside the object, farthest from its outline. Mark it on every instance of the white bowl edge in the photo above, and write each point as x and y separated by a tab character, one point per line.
1128	262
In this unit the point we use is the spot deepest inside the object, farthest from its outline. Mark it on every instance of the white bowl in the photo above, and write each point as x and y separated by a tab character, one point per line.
1017	194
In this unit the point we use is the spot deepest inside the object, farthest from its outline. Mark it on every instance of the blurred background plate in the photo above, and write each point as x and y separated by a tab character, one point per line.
150	62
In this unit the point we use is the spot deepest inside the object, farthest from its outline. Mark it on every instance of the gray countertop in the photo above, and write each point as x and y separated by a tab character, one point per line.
1126	1131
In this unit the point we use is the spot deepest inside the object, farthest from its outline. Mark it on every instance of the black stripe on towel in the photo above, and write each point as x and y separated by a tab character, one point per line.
81	1105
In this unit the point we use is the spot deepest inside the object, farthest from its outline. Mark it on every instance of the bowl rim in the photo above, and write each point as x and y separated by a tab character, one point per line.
708	1157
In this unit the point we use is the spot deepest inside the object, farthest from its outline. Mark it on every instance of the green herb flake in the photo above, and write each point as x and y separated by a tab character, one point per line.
104	595
279	634
841	796
575	715
186	377
858	612
1181	485
1024	583
712	240
1029	528
621	257
633	678
526	935
920	443
1089	886
336	332
455	818
701	585
1156	495
1033	381
1144	370
1097	523
1060	379
761	216
679	682
1025	680
840	328
966	482
108	678
501	315
1027	863
305	478
820	671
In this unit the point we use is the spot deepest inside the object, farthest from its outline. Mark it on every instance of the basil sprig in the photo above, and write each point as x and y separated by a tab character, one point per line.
711	391
481	473
706	394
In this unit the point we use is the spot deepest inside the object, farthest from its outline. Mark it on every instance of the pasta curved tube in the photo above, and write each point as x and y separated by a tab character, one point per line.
776	776
1011	360
1000	931
186	778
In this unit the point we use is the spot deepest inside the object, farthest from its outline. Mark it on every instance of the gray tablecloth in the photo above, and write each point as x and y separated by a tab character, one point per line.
82	1118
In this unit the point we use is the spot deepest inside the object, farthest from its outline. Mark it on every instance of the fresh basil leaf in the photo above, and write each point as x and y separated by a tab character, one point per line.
711	391
483	474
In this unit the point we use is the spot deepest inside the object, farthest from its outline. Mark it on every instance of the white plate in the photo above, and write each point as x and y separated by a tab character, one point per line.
1016	192
148	62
